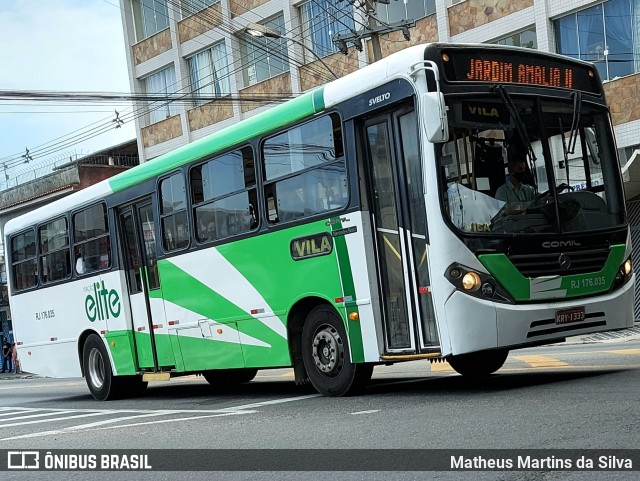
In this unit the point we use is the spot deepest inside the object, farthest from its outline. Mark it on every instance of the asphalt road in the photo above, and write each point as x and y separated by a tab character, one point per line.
568	396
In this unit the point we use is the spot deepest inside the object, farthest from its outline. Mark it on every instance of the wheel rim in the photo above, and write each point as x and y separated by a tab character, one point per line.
328	351
96	368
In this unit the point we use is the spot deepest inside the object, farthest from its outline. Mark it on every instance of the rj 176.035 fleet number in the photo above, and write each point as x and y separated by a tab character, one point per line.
599	281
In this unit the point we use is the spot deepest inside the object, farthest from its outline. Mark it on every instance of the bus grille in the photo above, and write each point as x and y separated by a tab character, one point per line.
548	264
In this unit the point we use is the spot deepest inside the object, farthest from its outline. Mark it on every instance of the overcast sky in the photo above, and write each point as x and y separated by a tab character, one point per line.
60	45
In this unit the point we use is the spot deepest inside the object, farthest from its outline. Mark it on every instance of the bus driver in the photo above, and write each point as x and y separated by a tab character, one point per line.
514	189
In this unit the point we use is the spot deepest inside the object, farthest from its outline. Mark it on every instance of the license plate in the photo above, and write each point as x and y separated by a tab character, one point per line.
567	316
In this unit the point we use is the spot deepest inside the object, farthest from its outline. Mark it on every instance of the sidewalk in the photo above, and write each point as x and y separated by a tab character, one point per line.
631	334
8	376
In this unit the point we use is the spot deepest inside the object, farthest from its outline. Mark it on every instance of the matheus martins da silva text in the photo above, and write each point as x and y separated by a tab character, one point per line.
548	462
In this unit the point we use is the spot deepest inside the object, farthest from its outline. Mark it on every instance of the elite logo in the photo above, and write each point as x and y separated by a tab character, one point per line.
102	303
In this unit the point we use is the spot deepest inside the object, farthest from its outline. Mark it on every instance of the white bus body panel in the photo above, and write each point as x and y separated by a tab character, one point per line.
476	324
50	322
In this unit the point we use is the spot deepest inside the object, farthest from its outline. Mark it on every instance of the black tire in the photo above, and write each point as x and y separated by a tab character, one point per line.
325	354
229	377
97	370
479	364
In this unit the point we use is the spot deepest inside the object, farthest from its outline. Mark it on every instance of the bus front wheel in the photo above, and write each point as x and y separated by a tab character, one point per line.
479	364
325	354
97	369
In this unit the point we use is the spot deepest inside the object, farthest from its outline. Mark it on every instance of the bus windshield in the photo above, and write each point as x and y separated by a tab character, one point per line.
518	166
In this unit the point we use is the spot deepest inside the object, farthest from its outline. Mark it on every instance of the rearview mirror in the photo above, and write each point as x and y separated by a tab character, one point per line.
434	117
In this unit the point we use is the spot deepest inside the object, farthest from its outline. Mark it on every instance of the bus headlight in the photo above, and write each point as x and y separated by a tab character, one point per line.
471	281
623	274
476	284
626	267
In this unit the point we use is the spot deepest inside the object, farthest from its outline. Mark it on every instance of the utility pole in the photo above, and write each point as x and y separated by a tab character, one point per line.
370	11
372	30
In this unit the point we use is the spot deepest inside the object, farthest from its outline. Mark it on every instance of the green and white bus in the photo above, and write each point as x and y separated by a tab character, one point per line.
355	225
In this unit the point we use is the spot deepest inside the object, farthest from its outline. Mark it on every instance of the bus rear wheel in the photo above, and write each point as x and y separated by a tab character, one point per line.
479	364
325	354
229	377
97	370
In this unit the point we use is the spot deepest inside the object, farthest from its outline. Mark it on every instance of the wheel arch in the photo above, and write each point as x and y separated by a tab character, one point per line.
295	322
82	339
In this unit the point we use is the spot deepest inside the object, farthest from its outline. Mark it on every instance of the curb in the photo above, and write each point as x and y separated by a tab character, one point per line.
22	375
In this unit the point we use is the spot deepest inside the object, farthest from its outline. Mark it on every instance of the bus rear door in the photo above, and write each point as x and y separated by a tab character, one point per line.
399	221
138	243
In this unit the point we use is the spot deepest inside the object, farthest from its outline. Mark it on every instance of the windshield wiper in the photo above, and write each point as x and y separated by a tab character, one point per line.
520	127
575	121
569	147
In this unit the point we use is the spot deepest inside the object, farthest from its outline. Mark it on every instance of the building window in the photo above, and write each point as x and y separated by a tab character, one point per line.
321	20
209	73
24	264
91	240
189	7
55	262
173	213
150	17
161	85
224	196
526	38
304	170
403	10
264	57
605	34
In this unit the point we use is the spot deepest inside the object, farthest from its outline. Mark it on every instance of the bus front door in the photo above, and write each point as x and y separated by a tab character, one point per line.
400	231
139	256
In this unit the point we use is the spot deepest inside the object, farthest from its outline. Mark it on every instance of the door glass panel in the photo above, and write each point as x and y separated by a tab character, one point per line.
418	220
130	253
388	238
145	214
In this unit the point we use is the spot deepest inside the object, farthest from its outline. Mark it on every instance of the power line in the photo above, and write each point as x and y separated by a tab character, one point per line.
52	146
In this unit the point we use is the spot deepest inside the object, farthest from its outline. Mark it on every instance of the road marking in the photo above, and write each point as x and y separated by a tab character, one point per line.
81	427
211	413
441	367
541	361
272	402
370	411
13	412
40	415
632	352
54	419
179	419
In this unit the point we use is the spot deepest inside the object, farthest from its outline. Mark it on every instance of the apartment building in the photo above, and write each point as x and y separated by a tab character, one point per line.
200	51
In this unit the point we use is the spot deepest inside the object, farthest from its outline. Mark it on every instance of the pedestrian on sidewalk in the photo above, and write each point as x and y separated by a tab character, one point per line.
14	358
6	356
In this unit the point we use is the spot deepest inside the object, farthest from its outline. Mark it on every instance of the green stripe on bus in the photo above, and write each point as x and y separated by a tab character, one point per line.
193	295
262	123
553	287
354	328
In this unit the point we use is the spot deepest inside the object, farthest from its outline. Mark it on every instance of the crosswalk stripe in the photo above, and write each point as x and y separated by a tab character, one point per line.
52	420
40	415
13	413
541	361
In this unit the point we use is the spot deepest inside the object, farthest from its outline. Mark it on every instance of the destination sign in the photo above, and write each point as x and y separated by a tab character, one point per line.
488	66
